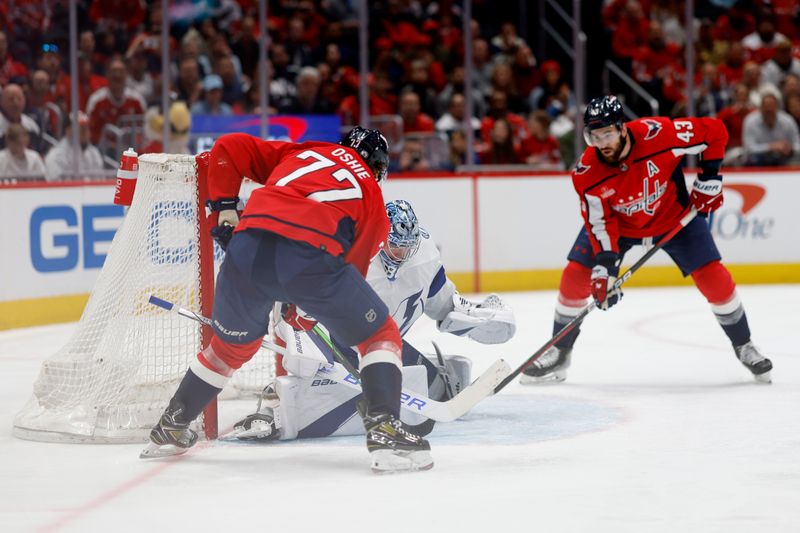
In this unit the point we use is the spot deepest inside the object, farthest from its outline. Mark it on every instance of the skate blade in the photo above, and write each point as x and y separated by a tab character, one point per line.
553	377
154	451
765	378
389	462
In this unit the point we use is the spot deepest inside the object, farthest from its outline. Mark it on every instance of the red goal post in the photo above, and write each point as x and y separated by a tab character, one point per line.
112	380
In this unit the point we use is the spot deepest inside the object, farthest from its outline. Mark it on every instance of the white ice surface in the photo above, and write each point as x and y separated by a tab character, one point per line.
658	428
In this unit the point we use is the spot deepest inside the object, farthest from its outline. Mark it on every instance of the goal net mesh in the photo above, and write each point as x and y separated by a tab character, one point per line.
114	377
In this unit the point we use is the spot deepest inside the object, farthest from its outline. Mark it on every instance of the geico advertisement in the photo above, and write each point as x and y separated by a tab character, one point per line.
61	239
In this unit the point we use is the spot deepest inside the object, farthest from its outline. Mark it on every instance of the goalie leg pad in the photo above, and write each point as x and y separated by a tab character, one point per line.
319	407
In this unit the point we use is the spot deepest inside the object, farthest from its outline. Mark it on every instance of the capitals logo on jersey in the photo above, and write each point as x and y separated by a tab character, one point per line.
653	128
580	168
647	202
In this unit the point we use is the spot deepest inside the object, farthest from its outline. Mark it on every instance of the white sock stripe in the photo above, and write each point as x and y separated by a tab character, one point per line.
731	318
728	307
209	376
567	310
380	356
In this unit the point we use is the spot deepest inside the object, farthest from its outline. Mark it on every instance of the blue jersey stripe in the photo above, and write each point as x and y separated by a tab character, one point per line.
437	283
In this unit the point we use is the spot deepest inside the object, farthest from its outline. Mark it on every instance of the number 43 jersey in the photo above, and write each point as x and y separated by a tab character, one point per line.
316	192
644	194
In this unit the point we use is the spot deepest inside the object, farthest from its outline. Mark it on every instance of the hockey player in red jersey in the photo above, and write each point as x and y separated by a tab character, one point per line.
632	190
305	238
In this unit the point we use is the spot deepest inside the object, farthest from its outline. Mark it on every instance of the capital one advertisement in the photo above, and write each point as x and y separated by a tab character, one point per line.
758	220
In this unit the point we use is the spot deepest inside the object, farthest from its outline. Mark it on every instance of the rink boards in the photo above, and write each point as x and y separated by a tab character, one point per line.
496	232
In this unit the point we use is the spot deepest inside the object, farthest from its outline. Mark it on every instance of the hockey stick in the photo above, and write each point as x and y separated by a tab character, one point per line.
411	401
420	429
575	322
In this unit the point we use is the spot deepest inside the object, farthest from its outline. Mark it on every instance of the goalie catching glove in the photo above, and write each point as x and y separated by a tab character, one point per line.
488	322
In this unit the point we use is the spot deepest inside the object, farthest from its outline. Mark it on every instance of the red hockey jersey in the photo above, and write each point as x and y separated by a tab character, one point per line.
316	192
644	194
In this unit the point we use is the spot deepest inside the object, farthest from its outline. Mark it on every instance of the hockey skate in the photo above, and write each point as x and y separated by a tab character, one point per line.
756	363
263	425
391	444
551	367
171	436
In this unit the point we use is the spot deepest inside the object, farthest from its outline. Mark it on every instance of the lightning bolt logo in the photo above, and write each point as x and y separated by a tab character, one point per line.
413	304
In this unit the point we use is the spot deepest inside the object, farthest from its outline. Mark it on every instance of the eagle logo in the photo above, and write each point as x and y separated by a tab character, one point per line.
580	168
653	128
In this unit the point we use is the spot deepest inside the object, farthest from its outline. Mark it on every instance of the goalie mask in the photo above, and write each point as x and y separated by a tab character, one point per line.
403	239
373	147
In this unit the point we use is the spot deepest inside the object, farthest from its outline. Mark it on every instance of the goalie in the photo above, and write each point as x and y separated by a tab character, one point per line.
409	277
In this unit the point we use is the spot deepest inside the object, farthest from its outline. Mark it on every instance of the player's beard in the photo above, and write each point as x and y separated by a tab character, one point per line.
614	157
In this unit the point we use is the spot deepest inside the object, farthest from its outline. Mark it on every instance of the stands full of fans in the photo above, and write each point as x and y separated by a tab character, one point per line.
747	73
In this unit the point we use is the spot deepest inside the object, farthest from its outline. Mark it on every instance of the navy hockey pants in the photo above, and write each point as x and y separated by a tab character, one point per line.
261	268
690	249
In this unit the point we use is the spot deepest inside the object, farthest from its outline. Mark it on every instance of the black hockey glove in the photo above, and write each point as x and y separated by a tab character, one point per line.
224	218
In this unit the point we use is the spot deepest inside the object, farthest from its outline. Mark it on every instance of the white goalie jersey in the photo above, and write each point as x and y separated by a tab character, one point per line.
305	404
421	286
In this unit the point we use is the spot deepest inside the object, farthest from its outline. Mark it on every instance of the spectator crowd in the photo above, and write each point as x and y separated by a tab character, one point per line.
524	108
747	68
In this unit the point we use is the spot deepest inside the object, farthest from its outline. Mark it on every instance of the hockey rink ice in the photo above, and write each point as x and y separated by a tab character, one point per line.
658	428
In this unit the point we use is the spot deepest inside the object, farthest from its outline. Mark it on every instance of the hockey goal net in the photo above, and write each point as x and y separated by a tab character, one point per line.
114	377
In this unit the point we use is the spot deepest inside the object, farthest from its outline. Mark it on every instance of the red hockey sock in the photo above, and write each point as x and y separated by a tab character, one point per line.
386	339
574	288
717	285
224	358
715	282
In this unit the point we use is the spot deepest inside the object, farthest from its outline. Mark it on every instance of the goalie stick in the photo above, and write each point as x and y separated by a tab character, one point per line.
410	401
421	429
575	322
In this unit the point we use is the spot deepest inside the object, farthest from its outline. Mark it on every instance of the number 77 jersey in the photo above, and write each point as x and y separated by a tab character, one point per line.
315	192
644	194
